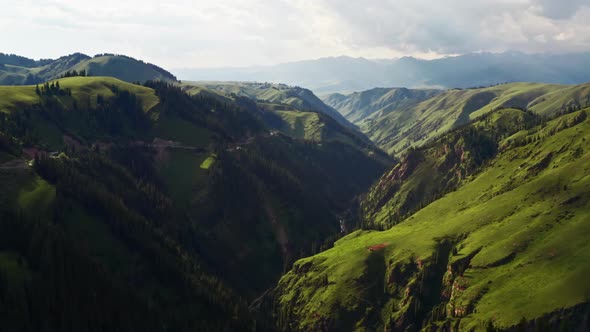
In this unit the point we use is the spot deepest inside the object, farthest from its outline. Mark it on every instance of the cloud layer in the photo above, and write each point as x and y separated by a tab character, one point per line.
179	33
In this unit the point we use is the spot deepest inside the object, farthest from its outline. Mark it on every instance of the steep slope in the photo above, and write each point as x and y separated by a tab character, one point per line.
506	249
425	174
296	97
15	70
358	106
290	119
404	127
189	204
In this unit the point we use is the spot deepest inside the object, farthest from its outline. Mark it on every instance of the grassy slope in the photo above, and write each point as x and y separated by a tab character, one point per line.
12	97
298	98
84	89
302	124
183	174
358	106
121	67
413	126
523	224
433	170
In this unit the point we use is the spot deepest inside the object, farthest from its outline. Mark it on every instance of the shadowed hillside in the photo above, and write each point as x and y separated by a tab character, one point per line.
191	205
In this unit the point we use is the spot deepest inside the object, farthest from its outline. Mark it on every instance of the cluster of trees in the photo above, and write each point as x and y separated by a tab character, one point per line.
155	243
52	89
54	286
74	73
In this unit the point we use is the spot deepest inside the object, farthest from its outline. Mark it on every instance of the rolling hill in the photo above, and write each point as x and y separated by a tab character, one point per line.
298	98
504	250
358	106
16	70
404	127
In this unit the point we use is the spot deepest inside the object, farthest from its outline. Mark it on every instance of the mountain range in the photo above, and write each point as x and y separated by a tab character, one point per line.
397	119
346	74
133	201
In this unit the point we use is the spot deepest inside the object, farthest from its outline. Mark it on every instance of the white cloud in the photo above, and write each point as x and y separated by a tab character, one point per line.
180	33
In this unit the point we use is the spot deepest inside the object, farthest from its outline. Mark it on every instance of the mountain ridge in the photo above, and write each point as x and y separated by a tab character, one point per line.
488	255
347	74
17	70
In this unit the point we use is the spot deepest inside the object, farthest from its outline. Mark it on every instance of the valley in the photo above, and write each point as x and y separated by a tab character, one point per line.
135	201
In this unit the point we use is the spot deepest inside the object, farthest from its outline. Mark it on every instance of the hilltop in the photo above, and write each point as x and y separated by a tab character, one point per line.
17	70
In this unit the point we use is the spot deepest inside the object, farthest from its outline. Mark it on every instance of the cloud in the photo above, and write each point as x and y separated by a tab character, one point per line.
459	26
182	33
559	10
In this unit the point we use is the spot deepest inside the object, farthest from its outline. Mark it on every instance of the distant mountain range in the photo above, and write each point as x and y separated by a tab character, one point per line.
346	74
18	70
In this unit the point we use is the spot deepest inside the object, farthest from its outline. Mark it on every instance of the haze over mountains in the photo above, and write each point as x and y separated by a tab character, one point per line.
346	74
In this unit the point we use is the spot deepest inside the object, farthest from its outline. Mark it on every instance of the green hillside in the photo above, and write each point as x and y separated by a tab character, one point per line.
179	208
23	71
168	206
296	97
404	127
286	115
358	106
427	173
507	247
124	68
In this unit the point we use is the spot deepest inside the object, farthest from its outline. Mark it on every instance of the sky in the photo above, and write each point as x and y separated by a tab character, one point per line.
232	33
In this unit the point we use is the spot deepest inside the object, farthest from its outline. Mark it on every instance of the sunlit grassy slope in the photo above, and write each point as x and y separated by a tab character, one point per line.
398	129
12	97
84	90
427	173
510	243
